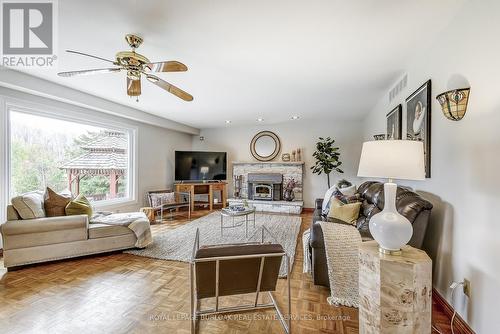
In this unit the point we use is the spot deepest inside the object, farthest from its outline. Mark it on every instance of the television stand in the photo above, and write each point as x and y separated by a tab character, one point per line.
204	188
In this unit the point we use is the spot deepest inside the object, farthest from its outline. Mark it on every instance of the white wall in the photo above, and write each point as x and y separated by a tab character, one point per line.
293	134
463	235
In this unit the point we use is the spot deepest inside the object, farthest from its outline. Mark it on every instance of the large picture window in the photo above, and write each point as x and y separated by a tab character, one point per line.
67	154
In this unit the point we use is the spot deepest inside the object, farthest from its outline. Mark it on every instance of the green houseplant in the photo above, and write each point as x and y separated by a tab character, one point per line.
327	158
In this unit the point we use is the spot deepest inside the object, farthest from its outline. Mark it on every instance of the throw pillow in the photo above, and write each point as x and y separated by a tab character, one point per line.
55	204
348	213
29	205
159	199
347	199
79	206
348	191
325	207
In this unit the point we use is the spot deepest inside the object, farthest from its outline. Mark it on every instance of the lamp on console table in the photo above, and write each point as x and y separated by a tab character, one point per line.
391	159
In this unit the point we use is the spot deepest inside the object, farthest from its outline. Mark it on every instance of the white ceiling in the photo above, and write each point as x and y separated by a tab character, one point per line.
248	59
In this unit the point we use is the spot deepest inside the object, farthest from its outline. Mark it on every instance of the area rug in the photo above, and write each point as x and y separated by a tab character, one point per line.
177	244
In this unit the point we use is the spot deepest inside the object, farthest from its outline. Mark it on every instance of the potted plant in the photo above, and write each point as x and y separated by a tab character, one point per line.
327	158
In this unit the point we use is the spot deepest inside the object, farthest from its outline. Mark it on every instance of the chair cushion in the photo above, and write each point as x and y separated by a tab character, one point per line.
79	206
55	203
104	231
237	276
158	199
29	205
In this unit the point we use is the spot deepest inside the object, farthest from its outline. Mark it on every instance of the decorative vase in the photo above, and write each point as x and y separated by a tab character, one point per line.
288	195
389	228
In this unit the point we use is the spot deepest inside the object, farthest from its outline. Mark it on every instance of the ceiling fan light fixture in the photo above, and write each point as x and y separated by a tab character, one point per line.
136	65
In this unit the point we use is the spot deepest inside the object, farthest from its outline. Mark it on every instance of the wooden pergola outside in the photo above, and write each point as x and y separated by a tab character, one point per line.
105	156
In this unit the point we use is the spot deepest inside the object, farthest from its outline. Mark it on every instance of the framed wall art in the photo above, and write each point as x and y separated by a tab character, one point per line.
394	123
418	120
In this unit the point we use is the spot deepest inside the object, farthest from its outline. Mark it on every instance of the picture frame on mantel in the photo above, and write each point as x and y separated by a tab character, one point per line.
418	120
394	123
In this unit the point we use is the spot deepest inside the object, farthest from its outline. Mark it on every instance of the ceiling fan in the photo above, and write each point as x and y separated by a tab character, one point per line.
136	66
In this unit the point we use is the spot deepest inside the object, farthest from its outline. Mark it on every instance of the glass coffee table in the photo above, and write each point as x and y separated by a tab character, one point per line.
232	214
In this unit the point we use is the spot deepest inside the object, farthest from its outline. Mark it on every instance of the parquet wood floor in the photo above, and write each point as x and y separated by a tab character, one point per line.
122	293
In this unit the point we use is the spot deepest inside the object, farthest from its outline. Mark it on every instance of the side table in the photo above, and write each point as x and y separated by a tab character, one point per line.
150	213
395	291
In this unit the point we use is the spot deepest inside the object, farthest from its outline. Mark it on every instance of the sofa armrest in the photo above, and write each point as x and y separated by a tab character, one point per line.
15	227
316	237
319	203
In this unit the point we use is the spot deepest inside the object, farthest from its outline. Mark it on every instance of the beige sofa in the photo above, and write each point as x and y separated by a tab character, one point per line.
47	239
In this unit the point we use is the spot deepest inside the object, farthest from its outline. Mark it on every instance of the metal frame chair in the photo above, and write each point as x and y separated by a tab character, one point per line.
182	200
195	308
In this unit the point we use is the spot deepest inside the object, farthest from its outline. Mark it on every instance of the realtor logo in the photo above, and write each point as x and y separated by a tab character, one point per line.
28	33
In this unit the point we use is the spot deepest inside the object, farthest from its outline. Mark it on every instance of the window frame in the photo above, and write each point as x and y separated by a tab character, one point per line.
14	105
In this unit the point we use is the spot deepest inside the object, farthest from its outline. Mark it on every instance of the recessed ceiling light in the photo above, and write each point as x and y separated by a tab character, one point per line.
295	117
260	119
228	122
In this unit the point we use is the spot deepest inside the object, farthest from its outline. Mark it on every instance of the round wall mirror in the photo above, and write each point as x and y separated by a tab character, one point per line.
265	146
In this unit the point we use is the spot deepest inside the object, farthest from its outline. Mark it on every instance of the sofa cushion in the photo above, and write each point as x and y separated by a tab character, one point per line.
12	213
79	206
44	225
29	205
55	204
105	231
43	231
19	241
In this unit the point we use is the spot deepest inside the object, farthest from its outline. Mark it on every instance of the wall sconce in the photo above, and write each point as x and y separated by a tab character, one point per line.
454	103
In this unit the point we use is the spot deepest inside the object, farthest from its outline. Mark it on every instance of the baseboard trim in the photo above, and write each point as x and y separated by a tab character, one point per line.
459	324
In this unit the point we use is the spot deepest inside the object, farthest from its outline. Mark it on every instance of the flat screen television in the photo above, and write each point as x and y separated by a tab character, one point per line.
200	166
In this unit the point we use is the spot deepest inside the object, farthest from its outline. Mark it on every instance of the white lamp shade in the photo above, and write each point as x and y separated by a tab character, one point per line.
393	159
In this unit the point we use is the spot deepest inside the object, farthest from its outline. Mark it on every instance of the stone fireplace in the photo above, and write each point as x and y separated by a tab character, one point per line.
261	184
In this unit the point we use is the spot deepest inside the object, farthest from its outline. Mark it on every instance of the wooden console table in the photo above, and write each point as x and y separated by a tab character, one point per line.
395	292
204	189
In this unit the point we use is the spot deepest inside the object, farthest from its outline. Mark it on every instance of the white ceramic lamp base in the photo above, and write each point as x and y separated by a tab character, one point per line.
389	228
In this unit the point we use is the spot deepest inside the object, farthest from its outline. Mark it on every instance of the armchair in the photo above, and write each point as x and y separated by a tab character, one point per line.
226	270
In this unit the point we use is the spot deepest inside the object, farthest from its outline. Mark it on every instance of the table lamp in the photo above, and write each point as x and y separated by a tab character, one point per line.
391	159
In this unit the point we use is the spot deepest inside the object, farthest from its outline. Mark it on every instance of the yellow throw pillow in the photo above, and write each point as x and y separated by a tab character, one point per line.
79	206
348	213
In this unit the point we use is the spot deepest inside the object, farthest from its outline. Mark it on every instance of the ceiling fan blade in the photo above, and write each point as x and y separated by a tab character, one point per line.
92	56
133	87
169	87
88	72
167	66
